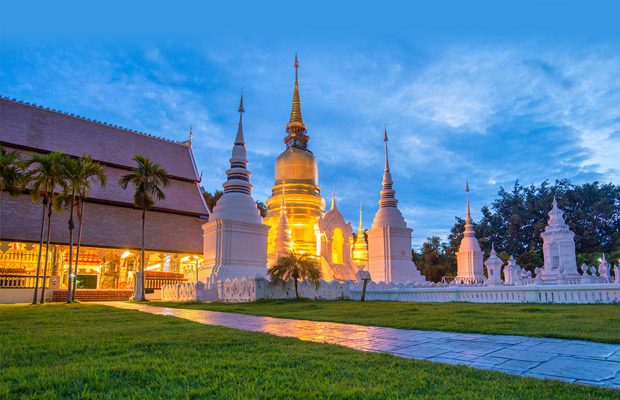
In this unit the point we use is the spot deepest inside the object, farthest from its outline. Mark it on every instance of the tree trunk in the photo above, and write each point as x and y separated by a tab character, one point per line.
364	289
296	294
143	294
47	247
36	281
77	251
71	226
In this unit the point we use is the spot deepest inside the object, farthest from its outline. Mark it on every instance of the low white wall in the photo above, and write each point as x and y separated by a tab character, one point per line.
577	294
251	289
21	295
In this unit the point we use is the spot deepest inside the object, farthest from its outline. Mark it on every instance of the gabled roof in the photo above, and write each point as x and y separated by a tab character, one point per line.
36	128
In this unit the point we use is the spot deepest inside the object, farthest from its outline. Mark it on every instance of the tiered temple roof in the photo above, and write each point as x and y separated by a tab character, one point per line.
173	224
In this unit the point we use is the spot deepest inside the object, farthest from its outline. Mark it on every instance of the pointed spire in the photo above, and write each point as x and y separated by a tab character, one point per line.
334	206
385	139
296	109
238	175
191	135
387	194
493	253
360	230
296	128
468	217
240	140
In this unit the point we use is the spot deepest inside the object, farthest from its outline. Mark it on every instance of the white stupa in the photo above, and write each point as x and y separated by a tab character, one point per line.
235	238
389	240
558	248
469	258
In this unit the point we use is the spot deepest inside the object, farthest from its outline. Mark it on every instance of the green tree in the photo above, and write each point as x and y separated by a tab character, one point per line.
45	172
211	199
148	179
91	171
434	262
296	266
78	173
10	172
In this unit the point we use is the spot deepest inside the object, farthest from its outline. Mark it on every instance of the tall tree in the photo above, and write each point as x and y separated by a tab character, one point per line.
11	174
90	171
77	174
148	179
45	174
296	266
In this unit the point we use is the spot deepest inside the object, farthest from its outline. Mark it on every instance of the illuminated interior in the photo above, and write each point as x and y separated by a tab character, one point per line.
98	268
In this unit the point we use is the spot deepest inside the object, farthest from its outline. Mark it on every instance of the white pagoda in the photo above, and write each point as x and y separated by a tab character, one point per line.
469	258
235	238
389	240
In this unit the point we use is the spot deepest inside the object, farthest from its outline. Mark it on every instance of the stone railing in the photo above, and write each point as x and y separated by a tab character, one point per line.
19	281
580	294
157	282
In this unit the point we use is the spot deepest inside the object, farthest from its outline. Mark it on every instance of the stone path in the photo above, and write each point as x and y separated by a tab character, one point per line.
568	360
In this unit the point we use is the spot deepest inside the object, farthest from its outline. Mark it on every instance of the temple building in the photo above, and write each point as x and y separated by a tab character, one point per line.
469	258
389	240
235	238
111	236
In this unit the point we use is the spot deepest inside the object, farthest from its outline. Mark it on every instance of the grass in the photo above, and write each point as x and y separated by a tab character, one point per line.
592	322
90	351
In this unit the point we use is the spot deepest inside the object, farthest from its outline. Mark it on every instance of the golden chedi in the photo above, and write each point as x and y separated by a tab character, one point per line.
360	249
297	173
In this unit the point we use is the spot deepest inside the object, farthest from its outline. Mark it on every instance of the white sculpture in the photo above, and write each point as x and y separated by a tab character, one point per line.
235	238
604	270
389	240
494	268
512	273
558	248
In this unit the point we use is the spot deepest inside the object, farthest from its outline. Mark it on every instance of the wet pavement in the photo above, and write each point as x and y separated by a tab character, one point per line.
568	360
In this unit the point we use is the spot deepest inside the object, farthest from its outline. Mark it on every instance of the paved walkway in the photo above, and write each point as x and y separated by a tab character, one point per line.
568	360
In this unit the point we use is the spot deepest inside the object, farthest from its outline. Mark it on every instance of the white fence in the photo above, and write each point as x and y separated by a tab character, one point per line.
579	294
251	289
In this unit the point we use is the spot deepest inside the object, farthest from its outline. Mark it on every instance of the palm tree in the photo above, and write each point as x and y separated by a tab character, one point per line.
296	266
11	172
77	173
89	171
147	178
45	172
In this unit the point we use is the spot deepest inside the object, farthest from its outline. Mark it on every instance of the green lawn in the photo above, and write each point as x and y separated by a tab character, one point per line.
90	351
593	322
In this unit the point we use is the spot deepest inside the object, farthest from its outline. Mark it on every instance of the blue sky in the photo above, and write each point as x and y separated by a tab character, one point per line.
490	92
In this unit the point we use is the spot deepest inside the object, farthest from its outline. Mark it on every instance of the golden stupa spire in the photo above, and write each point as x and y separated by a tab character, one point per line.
296	110
296	128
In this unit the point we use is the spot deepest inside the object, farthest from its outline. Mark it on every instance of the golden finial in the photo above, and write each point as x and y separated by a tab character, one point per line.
241	109
190	136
